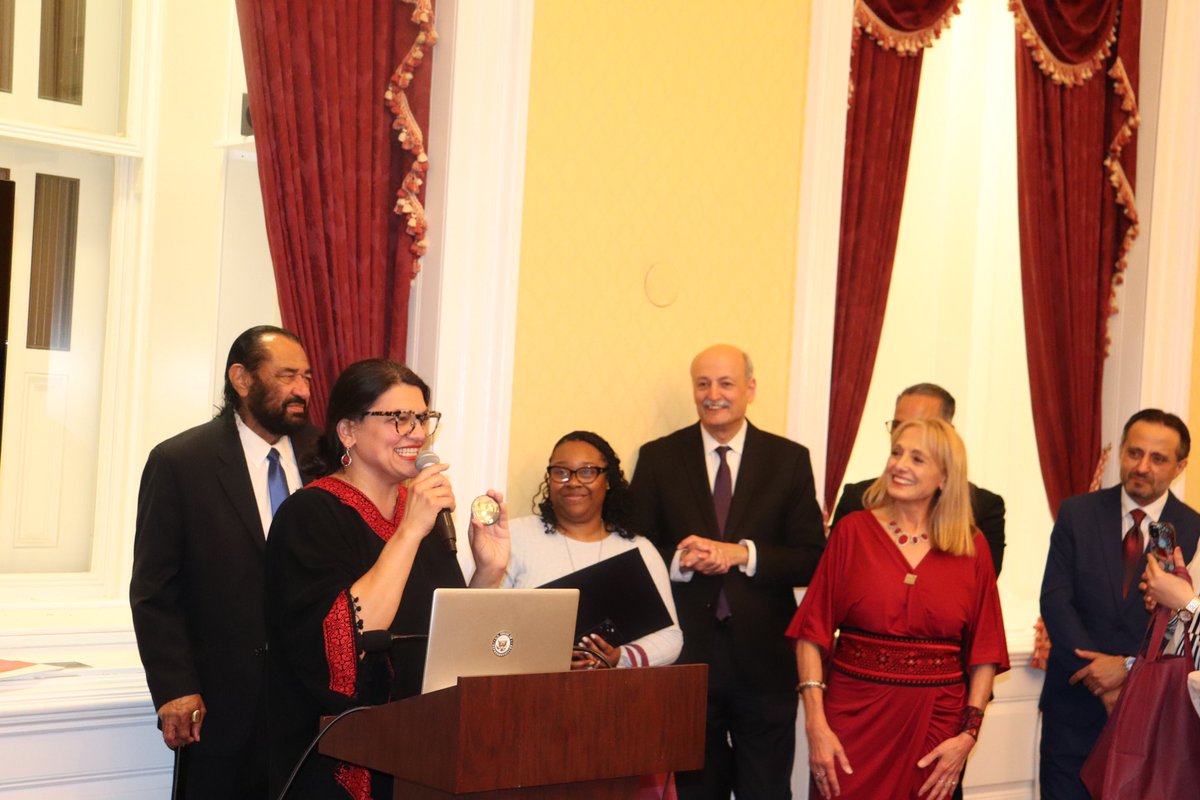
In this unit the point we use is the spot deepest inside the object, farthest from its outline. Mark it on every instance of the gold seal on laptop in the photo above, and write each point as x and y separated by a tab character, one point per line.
485	510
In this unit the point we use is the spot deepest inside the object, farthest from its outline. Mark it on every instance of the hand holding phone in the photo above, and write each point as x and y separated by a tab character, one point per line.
1162	545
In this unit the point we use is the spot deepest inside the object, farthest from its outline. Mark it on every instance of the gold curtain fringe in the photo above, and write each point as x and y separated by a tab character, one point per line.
905	43
408	204
1117	178
1123	87
1054	68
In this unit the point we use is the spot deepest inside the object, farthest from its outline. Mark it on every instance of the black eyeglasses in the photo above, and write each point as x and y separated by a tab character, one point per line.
891	425
586	473
406	421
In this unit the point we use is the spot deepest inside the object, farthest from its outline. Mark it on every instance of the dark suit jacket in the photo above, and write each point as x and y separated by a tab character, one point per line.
1081	595
774	505
987	508
198	577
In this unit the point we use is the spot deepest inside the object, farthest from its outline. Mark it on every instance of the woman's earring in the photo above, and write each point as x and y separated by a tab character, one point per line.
346	459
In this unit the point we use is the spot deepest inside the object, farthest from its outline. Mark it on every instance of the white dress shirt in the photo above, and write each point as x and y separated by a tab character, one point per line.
1153	513
256	450
712	462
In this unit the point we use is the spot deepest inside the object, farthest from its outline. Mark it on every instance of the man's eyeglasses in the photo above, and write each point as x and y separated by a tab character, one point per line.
586	473
406	421
891	425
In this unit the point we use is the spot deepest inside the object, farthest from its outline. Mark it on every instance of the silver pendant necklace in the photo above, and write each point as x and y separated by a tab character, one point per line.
570	558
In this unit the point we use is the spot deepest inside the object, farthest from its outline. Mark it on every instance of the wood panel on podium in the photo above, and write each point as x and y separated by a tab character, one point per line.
586	734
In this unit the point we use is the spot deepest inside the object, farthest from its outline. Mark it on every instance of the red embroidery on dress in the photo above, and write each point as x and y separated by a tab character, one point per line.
350	496
340	652
898	660
355	780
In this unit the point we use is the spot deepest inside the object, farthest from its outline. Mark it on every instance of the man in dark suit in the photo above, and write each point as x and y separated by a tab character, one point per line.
1090	600
924	401
733	510
206	500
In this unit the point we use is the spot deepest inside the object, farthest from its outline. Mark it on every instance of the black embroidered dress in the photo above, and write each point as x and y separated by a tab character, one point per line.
323	539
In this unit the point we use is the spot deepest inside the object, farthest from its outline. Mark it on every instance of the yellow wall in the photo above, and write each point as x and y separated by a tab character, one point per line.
1191	489
664	138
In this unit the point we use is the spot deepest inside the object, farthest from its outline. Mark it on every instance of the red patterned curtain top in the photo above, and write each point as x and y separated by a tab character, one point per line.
1070	39
904	25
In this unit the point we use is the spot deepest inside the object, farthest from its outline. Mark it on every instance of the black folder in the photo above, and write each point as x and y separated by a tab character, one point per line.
617	599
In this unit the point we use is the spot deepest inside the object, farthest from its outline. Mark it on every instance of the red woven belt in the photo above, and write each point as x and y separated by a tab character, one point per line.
898	660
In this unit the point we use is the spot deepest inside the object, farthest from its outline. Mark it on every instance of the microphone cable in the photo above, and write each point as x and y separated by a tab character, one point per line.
311	745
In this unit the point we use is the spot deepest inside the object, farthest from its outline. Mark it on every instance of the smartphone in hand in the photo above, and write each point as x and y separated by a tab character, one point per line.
1162	545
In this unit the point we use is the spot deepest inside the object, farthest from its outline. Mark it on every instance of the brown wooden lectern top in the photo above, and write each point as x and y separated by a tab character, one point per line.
498	736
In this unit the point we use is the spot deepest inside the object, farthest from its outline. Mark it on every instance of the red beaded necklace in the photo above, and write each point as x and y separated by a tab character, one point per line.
903	538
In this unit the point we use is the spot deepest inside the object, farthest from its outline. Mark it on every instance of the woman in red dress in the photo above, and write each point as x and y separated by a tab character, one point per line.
894	701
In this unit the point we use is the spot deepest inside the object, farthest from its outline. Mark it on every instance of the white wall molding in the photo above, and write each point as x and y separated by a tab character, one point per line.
98	143
87	733
1174	232
817	231
462	322
128	309
118	453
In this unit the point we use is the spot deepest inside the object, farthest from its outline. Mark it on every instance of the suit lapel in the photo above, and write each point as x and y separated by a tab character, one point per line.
234	477
695	468
1108	533
750	475
1173	513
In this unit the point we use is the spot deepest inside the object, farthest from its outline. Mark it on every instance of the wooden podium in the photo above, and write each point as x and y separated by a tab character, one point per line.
585	734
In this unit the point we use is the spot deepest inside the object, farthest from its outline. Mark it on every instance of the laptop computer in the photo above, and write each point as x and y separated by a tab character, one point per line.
498	632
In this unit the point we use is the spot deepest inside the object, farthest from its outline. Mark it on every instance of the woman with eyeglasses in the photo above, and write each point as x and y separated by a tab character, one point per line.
583	516
350	553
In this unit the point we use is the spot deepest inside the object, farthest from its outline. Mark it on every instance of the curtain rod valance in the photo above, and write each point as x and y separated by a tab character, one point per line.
906	26
1068	39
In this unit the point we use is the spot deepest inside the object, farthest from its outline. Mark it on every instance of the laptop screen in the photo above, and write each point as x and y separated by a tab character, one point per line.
498	632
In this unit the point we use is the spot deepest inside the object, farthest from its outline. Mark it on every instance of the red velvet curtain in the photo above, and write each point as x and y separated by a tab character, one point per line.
884	77
1076	154
330	167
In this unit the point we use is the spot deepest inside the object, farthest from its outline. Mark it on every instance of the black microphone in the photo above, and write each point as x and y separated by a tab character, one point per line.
381	641
445	521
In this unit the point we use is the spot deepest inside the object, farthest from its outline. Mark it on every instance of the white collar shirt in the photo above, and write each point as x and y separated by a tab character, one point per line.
256	449
712	459
1153	513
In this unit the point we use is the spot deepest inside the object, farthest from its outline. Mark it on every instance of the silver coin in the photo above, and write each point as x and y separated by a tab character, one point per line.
485	510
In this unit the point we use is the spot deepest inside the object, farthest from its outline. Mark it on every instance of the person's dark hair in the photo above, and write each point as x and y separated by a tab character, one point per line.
249	351
352	395
617	511
933	390
1161	417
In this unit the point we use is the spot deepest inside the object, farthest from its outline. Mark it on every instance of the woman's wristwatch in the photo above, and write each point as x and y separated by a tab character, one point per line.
1188	612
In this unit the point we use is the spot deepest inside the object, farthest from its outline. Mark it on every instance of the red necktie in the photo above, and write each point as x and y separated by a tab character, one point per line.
1132	548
